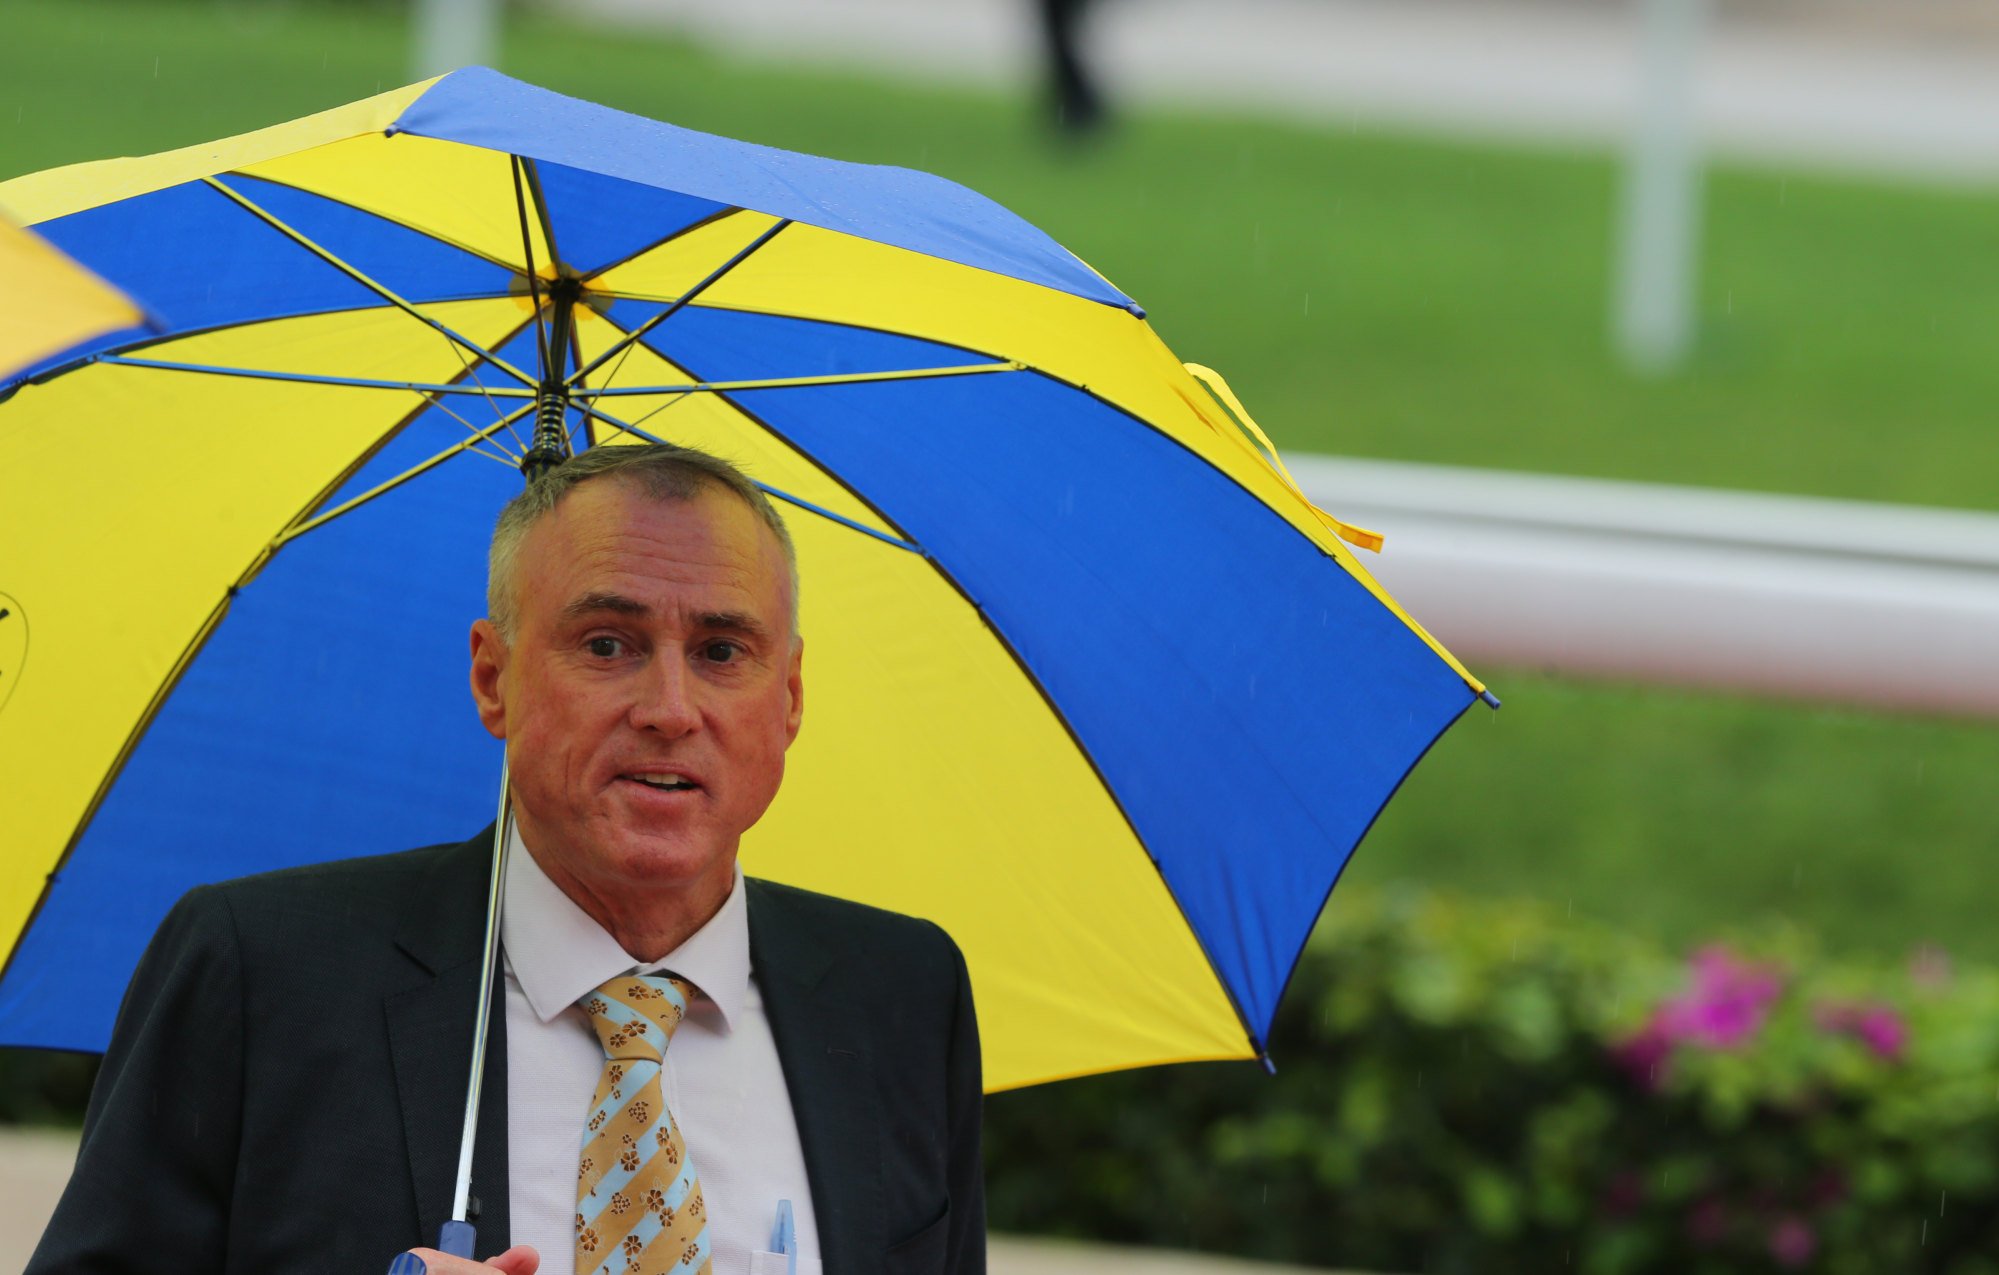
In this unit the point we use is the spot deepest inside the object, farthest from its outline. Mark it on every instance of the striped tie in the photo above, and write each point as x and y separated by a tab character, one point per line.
638	1201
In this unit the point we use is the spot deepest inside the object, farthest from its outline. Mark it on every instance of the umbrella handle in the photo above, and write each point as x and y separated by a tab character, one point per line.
453	1238
456	1238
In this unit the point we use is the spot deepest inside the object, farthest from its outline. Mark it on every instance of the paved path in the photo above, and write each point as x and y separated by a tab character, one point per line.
1905	88
34	1165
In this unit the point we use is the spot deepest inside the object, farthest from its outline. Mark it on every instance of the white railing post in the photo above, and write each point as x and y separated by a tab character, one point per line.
1657	268
449	34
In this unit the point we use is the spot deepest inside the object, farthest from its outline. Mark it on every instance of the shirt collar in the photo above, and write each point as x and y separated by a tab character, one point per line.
558	953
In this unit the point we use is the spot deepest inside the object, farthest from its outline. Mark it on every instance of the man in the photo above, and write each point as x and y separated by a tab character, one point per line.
284	1088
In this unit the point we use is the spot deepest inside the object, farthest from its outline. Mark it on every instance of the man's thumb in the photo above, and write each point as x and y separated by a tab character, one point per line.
521	1259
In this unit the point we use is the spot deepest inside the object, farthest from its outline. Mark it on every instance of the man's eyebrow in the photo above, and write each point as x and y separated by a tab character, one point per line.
732	622
618	603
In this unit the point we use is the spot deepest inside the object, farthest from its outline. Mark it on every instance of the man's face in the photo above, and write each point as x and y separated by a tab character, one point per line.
650	688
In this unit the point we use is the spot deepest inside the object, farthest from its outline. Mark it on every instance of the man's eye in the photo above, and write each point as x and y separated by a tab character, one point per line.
605	648
720	652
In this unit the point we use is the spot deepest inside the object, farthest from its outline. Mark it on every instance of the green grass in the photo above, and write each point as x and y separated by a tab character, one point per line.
1385	296
1690	816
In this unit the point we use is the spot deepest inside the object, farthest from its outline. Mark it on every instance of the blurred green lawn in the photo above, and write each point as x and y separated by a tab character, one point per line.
1374	295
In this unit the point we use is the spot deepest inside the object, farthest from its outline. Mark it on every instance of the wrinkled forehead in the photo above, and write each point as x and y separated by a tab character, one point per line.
614	527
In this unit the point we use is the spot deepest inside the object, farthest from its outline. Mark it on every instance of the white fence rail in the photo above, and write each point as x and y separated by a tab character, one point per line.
1884	606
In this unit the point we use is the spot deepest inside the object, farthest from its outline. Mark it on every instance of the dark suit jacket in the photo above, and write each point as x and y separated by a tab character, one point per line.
286	1083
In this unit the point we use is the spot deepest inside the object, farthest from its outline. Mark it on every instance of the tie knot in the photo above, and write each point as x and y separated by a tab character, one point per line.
635	1014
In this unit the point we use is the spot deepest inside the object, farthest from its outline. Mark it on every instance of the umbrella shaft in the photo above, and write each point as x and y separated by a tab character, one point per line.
551	417
496	889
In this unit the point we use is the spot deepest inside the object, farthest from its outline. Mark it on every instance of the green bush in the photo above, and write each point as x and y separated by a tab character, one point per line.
1489	1088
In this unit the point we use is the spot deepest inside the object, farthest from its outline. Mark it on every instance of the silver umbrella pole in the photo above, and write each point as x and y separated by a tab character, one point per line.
456	1236
549	448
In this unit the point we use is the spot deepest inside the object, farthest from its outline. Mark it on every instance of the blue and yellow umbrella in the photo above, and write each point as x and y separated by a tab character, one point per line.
1092	684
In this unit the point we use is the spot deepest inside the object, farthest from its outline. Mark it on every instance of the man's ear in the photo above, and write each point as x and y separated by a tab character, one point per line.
794	682
489	666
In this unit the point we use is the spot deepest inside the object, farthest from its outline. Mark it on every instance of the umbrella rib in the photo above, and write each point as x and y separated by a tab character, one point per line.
799	382
533	175
637	334
661	242
431	391
534	277
382	488
472	378
313	378
380	290
768	490
499	453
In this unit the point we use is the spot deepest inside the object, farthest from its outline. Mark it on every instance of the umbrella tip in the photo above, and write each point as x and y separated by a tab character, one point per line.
1491	700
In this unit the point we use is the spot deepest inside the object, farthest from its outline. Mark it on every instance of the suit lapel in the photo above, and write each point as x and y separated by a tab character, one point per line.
829	1073
430	1024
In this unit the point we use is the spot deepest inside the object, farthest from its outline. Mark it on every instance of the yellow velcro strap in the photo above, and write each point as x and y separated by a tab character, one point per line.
1207	376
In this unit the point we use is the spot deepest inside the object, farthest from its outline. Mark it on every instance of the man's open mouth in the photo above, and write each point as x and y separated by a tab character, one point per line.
664	782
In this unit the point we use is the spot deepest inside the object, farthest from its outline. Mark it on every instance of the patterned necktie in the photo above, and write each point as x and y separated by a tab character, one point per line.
638	1201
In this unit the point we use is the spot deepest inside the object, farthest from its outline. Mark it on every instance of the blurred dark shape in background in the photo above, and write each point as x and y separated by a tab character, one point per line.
43	1087
1075	96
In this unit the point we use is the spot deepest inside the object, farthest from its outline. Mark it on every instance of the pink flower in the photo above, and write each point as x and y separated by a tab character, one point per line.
1725	1005
1792	1242
1874	1025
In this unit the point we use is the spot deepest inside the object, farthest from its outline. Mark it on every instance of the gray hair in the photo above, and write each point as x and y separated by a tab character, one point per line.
662	471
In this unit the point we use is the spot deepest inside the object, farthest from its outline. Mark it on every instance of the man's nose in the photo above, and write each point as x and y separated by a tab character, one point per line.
665	698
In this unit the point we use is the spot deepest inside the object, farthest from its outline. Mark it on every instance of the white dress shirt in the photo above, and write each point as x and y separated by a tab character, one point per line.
722	1079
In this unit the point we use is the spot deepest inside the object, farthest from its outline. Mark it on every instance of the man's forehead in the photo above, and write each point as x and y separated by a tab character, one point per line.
609	539
608	516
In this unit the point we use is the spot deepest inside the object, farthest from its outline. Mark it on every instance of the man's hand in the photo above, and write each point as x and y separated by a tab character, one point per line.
518	1260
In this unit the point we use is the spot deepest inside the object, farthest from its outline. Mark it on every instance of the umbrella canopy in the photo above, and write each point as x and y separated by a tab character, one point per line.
61	305
1091	684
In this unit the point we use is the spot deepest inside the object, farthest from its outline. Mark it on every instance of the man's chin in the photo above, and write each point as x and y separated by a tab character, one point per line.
669	862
